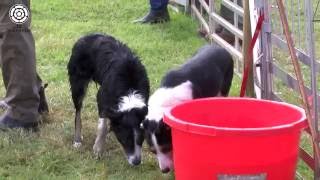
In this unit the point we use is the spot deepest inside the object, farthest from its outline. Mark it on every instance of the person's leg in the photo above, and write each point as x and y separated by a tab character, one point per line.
158	4
158	12
17	58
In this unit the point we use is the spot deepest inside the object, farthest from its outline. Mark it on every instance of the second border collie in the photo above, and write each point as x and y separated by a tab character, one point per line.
208	73
122	95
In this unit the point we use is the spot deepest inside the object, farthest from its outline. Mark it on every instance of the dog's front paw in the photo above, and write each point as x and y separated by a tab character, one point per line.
98	150
77	145
3	105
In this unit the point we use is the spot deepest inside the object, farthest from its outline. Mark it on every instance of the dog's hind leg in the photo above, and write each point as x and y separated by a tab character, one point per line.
78	89
227	81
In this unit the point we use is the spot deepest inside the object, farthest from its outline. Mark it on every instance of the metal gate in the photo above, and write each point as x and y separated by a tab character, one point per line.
274	72
207	12
277	75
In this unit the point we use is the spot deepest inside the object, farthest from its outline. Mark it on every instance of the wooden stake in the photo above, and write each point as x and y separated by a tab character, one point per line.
246	45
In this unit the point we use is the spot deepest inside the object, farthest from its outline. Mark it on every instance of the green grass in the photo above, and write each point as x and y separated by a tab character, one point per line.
56	25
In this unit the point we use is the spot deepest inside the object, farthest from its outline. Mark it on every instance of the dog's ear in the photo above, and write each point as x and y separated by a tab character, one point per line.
163	125
131	119
113	114
144	124
142	112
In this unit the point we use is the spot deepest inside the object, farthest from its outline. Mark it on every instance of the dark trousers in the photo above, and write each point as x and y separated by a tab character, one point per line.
18	65
158	4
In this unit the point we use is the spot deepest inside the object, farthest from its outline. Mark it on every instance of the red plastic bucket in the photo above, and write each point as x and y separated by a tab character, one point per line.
235	138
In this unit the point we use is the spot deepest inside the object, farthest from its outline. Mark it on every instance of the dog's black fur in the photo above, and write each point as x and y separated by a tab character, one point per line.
119	72
210	72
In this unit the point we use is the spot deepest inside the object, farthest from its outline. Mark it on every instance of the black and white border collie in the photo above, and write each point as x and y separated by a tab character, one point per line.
122	96
208	73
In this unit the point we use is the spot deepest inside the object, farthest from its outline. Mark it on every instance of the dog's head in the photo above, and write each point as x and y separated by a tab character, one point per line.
125	123
157	133
158	137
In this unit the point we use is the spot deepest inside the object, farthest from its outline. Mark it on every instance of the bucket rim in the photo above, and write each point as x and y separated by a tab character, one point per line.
176	123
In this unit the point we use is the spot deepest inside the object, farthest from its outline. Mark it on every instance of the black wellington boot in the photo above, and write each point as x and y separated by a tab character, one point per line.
155	16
